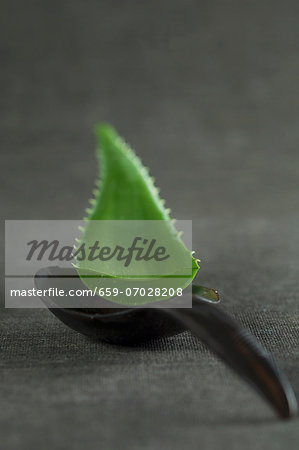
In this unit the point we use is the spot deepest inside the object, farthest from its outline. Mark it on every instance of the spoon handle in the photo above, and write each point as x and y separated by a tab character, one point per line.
241	351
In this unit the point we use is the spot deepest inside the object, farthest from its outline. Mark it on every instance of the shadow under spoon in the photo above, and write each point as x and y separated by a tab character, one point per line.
224	336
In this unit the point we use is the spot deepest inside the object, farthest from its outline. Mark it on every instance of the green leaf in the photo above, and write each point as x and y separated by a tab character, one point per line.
126	192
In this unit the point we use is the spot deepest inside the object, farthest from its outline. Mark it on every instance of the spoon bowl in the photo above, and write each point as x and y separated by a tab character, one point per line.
121	326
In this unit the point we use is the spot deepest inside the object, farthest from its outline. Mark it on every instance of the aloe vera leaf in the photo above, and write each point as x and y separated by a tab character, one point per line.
125	192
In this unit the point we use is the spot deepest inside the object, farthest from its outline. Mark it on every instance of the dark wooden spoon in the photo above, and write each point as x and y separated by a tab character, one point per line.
235	345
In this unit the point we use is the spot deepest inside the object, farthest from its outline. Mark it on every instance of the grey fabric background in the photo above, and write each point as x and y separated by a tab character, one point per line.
207	93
